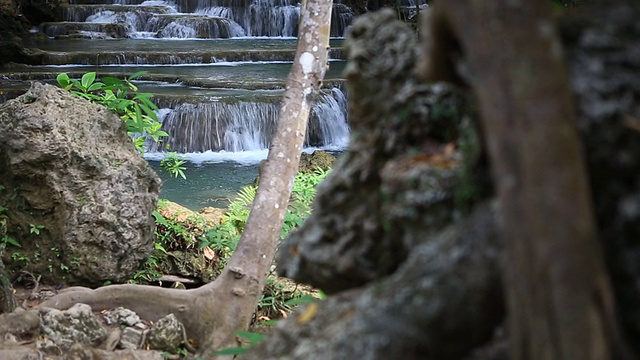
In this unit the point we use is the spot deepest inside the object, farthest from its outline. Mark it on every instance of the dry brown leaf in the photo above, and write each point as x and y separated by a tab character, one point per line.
308	314
209	254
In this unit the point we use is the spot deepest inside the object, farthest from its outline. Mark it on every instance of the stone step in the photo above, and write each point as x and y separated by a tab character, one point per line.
80	13
84	30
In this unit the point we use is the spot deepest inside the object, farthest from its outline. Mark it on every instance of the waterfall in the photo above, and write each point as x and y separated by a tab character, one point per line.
246	126
188	27
270	17
131	20
232	108
219	126
143	19
330	113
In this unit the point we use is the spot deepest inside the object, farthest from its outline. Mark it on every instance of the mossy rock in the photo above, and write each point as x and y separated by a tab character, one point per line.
177	250
319	159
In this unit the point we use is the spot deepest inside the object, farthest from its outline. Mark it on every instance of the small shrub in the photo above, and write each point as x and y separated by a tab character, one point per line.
134	108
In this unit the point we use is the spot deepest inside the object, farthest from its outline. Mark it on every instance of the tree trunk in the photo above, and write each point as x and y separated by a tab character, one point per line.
245	275
559	296
388	223
213	312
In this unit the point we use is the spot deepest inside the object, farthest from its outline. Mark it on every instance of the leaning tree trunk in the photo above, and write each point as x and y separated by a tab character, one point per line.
213	312
560	302
241	283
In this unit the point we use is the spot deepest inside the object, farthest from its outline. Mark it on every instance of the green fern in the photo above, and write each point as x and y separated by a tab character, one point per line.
246	195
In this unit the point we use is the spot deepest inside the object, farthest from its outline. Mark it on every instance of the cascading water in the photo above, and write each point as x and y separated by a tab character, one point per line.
181	19
248	126
216	68
330	115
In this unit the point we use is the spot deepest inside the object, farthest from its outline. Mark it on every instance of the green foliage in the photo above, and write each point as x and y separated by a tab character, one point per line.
171	235
135	109
302	194
254	339
172	163
194	233
35	229
8	240
5	239
274	299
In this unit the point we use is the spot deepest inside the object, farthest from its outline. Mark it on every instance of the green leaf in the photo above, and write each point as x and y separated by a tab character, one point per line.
10	240
231	351
253	337
136	75
138	117
139	144
159	247
63	81
148	111
305	299
76	83
95	86
88	79
159	218
111	81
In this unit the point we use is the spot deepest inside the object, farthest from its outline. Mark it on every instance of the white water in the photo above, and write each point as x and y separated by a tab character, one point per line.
271	18
217	131
246	127
243	158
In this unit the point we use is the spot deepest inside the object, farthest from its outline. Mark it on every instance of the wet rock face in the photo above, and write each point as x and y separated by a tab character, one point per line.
79	197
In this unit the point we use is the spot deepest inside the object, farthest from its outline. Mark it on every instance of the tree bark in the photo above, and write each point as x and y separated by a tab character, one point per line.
213	312
559	296
423	277
244	277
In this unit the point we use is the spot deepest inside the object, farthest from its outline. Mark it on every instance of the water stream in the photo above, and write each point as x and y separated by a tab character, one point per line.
217	69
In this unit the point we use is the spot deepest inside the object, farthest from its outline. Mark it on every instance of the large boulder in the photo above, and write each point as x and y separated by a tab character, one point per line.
79	197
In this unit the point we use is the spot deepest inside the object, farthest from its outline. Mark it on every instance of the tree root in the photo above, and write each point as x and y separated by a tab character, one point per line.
149	302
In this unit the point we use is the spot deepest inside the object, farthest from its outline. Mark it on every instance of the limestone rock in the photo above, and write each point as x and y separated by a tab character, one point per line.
130	339
20	323
70	172
181	258
76	325
166	335
318	159
121	316
359	230
212	214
